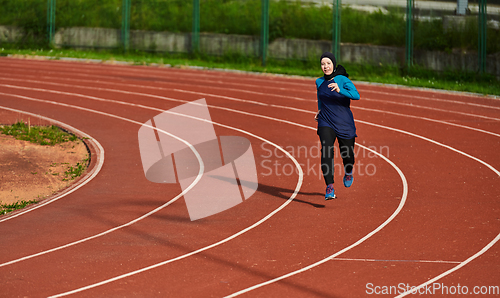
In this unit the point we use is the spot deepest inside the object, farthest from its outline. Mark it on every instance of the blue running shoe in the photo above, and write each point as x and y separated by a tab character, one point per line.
330	192
348	179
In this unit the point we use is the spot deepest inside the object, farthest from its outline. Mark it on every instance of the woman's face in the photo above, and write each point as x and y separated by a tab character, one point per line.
326	66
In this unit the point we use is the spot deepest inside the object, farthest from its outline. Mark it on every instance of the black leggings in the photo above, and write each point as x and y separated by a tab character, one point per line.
327	137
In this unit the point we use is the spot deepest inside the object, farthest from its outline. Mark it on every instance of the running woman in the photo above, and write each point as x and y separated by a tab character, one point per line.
335	120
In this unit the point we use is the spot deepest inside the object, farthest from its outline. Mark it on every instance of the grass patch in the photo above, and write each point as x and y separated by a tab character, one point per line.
76	171
386	74
288	19
6	208
42	135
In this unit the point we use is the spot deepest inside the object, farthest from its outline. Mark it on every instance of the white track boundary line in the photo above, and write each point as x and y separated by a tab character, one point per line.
86	179
236	99
213	245
299	184
363	239
431	120
251	227
462	264
260	77
234	236
333	256
163	74
437	99
430	108
410	134
197	179
437	143
301	99
147	73
401	261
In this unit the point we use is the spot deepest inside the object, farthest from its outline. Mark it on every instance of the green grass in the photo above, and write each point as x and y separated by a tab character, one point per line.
288	19
386	74
73	172
6	208
42	135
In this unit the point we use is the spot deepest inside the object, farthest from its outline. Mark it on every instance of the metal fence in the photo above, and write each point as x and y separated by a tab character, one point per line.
189	15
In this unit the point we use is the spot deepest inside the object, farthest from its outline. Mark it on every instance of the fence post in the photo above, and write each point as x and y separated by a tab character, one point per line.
482	36
126	4
264	35
409	33
195	37
51	20
336	29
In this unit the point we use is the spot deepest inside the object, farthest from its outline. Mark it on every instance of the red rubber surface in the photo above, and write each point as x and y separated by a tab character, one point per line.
445	146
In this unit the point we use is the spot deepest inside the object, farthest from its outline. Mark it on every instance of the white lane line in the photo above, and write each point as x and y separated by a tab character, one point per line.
304	82
436	99
360	241
299	184
85	179
462	264
358	120
434	142
140	105
402	261
403	200
197	179
110	280
302	99
251	227
234	99
227	239
169	75
431	108
483	250
430	120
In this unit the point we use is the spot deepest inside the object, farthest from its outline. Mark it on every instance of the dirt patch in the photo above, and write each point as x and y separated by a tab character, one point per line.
29	171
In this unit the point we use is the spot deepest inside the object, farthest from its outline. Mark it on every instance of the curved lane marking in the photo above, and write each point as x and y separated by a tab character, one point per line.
376	230
243	231
86	179
437	99
258	78
239	100
496	239
254	225
430	108
302	99
483	250
197	179
462	264
299	184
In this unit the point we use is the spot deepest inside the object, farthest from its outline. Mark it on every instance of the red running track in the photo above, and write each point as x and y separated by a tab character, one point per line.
423	212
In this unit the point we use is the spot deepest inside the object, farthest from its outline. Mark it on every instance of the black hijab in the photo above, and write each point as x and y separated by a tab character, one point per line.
337	69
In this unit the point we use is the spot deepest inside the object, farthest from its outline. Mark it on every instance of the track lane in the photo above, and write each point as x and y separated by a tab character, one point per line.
415	127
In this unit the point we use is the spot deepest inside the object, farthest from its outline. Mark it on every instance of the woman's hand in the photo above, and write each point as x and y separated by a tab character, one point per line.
317	113
334	87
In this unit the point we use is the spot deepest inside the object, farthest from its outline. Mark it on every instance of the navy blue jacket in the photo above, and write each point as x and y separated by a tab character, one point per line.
335	107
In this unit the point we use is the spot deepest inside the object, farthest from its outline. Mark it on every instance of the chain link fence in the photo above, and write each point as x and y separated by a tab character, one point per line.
411	24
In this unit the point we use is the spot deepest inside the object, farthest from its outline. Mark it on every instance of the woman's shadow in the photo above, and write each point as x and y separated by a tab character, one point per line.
285	193
278	192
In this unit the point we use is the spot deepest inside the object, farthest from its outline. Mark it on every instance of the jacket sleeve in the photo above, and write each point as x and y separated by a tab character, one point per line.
319	81
347	88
